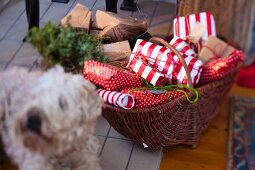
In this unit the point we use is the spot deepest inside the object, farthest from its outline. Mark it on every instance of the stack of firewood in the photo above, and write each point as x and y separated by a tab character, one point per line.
117	29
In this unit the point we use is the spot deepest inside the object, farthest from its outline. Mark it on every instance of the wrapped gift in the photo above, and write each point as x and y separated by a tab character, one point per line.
146	98
214	48
110	77
183	25
218	68
167	62
122	100
146	71
180	45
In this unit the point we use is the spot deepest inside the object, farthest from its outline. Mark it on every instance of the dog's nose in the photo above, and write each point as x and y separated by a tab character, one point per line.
34	123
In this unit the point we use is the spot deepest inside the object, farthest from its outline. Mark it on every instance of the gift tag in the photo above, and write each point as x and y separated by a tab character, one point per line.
154	91
197	32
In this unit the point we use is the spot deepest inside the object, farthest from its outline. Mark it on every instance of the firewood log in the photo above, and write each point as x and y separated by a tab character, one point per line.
118	53
78	17
117	27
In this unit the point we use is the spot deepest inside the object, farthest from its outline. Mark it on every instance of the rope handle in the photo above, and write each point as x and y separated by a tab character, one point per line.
184	64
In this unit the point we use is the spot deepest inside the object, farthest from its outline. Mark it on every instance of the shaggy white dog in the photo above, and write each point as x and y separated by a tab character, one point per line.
48	119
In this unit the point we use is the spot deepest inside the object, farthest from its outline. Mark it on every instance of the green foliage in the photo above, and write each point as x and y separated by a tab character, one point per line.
65	46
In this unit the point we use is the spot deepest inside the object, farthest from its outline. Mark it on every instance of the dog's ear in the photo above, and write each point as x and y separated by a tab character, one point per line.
2	98
91	103
1	116
2	110
4	104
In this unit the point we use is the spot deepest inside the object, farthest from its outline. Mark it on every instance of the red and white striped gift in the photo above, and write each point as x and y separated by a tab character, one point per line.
183	47
184	25
146	71
122	100
167	62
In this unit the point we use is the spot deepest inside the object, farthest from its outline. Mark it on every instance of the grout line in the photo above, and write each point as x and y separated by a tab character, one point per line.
106	137
133	12
3	10
9	62
114	137
138	10
70	7
93	5
161	156
162	22
45	11
131	152
13	56
38	55
171	23
12	25
18	20
31	67
153	14
34	63
171	27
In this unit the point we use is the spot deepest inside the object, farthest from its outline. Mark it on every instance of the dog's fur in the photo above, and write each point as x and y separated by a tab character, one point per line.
47	120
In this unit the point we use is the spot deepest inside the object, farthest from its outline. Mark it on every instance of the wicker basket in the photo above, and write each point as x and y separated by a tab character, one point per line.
176	122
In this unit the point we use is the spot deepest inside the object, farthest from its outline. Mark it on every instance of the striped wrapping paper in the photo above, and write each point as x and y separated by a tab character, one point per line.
184	25
146	71
167	62
122	100
183	47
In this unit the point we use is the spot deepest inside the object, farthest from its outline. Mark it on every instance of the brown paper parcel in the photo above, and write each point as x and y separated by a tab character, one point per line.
214	48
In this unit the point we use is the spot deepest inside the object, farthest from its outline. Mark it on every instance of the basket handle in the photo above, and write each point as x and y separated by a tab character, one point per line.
160	40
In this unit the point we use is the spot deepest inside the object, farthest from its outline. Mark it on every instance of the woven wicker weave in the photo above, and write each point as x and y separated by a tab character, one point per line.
177	122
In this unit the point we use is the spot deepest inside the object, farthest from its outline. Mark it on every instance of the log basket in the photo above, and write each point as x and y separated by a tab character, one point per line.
176	122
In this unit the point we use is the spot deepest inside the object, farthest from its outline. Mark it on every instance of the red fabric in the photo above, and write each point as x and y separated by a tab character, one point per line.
246	76
148	98
218	68
110	77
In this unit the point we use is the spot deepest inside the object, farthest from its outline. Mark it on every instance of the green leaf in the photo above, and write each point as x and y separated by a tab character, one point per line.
66	46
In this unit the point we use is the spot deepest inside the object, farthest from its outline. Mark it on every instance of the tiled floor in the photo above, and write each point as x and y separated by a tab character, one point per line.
117	152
